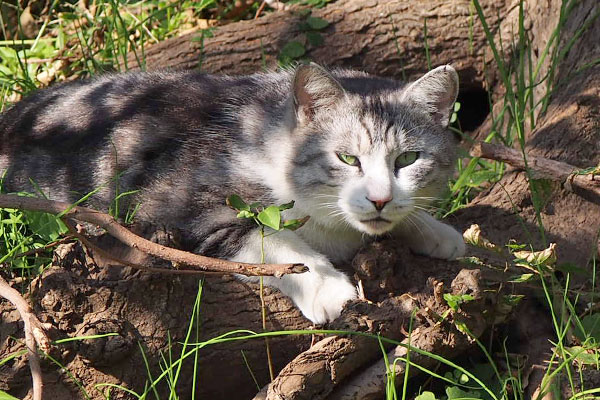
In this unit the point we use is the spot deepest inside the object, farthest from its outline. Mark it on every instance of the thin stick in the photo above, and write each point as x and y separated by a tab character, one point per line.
108	223
35	335
260	9
543	168
44	248
120	262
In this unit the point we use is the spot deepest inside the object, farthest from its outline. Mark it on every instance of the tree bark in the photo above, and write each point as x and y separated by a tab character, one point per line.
569	132
384	38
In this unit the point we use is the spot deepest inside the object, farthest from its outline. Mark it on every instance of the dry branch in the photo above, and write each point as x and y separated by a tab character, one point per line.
181	258
35	335
542	168
314	373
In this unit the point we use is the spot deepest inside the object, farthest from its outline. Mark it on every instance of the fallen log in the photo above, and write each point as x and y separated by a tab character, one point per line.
384	38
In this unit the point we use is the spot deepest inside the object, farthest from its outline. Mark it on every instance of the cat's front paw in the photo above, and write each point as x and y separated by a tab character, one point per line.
443	242
324	302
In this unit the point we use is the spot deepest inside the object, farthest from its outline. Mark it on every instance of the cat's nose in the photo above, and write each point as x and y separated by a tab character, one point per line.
379	203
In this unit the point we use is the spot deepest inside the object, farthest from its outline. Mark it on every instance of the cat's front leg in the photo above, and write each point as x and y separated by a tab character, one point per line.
427	236
320	293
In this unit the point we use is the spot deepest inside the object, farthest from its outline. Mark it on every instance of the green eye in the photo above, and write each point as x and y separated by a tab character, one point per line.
406	158
348	159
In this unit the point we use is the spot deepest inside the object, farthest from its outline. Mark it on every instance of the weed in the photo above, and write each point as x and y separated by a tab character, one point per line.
265	217
296	49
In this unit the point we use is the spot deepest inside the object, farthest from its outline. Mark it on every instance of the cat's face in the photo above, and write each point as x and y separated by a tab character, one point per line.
370	161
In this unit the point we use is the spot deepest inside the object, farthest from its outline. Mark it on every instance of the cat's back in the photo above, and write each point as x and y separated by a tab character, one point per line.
77	136
88	110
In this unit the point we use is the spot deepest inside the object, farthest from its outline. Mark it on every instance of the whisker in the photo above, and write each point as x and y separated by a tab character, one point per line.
409	219
424	223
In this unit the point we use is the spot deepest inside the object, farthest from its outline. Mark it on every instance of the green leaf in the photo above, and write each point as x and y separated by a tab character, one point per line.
246	214
454	300
317	23
293	224
513	299
45	225
456	106
583	356
521	278
426	396
287	206
6	396
271	217
463	378
293	49
454	392
314	38
234	201
591	328
515	246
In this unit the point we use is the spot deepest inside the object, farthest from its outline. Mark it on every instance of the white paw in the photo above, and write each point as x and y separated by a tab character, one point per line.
443	242
324	300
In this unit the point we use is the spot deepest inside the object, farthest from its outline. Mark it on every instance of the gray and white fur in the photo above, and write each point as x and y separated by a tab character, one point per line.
189	140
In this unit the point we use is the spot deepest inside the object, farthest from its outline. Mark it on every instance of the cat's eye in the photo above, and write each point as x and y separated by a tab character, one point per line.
407	158
348	159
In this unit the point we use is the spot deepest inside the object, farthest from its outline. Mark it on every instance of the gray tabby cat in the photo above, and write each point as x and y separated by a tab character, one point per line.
361	155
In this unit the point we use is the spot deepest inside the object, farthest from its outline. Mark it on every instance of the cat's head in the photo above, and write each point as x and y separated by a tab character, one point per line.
370	151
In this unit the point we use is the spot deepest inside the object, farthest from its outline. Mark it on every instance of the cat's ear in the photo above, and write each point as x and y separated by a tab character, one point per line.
435	92
314	89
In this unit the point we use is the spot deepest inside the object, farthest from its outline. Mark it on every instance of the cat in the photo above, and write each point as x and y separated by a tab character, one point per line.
361	155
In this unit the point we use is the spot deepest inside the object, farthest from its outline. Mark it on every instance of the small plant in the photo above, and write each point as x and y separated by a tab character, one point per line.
27	238
296	49
455	300
270	217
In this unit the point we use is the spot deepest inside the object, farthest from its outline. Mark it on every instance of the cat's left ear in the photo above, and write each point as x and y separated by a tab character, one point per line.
314	90
435	92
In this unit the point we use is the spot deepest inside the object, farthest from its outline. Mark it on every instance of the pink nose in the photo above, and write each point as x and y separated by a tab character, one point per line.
379	203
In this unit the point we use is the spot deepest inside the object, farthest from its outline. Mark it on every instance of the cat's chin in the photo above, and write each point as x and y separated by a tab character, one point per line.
375	226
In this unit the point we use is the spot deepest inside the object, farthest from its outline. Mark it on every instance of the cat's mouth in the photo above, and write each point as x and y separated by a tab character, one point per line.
378	219
377	225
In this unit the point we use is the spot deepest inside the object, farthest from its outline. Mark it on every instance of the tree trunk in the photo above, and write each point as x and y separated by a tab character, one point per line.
384	38
569	131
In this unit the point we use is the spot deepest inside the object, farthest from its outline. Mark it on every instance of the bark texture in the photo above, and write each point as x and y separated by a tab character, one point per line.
380	37
147	311
569	131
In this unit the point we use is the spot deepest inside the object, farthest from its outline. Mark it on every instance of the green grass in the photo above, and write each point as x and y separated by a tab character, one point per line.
74	42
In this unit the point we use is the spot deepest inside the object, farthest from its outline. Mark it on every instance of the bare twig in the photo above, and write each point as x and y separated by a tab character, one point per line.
35	335
44	248
108	223
108	256
543	168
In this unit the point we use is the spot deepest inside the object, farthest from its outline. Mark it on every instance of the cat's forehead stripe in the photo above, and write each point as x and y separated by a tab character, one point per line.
366	130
